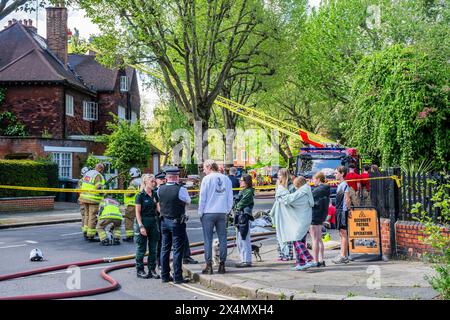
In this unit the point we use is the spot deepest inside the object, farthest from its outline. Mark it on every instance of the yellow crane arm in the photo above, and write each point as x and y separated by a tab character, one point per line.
257	116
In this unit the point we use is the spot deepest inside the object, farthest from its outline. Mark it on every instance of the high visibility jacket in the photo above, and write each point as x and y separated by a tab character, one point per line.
130	198
109	209
89	183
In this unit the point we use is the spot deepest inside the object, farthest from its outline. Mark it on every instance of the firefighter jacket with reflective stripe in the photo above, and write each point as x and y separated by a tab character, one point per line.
109	209
130	198
92	180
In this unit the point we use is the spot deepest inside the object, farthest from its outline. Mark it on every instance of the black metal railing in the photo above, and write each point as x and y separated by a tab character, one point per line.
418	187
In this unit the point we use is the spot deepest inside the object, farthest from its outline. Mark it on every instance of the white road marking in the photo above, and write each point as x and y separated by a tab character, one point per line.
30	241
211	293
60	272
70	234
202	292
15	246
193	228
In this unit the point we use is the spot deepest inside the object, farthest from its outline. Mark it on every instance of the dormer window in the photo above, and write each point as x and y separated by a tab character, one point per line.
124	84
90	111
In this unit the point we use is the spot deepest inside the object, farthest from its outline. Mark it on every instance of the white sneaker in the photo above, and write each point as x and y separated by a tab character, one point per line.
340	260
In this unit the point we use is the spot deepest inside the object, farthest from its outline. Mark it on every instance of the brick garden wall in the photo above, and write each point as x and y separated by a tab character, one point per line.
407	234
25	204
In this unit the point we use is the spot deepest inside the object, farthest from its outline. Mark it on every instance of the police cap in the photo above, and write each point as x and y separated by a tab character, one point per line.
174	171
161	175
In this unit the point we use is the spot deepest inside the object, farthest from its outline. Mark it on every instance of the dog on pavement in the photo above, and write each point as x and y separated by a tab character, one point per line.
255	251
216	252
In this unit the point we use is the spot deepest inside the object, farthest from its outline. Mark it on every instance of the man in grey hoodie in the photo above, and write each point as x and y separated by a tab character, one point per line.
215	202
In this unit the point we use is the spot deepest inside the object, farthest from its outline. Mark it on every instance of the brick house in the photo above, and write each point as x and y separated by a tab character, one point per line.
64	100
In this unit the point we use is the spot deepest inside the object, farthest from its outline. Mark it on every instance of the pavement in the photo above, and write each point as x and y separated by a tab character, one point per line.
64	212
273	280
268	279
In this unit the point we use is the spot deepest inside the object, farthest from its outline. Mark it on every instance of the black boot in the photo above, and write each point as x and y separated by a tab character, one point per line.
141	274
105	242
116	242
189	260
208	269
153	274
221	268
129	239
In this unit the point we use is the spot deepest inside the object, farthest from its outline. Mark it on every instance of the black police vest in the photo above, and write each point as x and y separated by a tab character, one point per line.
171	206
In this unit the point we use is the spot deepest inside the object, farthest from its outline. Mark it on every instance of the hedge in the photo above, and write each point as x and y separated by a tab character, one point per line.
27	173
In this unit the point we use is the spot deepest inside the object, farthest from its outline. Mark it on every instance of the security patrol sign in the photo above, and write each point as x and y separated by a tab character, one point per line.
364	234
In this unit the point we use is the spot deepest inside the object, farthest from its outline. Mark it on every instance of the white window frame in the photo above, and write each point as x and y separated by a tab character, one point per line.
90	111
243	155
134	117
64	162
122	115
70	111
124	84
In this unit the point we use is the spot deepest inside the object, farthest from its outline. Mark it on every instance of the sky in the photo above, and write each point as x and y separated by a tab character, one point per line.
86	28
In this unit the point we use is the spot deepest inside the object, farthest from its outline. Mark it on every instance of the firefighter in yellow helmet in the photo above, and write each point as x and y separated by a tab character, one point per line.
129	200
92	180
109	213
84	170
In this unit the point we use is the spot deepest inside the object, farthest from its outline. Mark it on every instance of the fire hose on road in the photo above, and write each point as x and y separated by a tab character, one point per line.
114	285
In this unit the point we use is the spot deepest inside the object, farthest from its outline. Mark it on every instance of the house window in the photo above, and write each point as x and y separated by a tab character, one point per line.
64	162
243	155
69	105
90	111
124	85
133	117
122	113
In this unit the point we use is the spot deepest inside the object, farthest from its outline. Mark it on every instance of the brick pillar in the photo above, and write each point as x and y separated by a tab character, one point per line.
57	32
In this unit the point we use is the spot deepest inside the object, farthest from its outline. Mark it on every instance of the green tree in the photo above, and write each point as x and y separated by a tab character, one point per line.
77	45
439	241
399	108
194	43
166	120
127	145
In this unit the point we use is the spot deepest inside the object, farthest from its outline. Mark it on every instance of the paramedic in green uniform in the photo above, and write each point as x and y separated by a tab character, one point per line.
146	227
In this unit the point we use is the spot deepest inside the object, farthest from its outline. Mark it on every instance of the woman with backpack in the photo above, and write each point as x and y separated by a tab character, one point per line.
242	220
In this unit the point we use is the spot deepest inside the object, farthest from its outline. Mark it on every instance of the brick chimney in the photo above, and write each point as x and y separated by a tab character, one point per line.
57	31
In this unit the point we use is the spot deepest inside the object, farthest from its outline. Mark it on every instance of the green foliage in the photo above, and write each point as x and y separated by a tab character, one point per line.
127	145
437	239
2	95
27	173
91	161
167	119
77	45
399	108
10	126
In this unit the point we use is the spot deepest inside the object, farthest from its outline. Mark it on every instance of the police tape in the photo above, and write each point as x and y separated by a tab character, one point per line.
103	191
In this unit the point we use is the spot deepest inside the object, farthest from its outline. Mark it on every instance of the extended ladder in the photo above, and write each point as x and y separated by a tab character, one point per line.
305	136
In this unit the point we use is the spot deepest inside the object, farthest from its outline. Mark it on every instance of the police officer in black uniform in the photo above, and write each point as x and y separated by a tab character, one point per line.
173	199
160	180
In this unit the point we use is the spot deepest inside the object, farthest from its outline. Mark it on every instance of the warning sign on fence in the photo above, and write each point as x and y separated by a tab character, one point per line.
363	231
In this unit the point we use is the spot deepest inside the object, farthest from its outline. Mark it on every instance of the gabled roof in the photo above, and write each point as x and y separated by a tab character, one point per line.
95	74
24	57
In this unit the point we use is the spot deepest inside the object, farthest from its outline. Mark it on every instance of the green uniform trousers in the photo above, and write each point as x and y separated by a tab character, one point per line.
152	238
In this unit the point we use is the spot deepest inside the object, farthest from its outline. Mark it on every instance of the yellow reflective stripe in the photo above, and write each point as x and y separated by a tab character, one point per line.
102	235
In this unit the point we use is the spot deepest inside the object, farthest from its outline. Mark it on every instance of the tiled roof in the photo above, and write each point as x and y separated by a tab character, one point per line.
24	57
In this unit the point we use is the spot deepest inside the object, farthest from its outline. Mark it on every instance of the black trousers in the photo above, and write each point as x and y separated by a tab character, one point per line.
186	248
